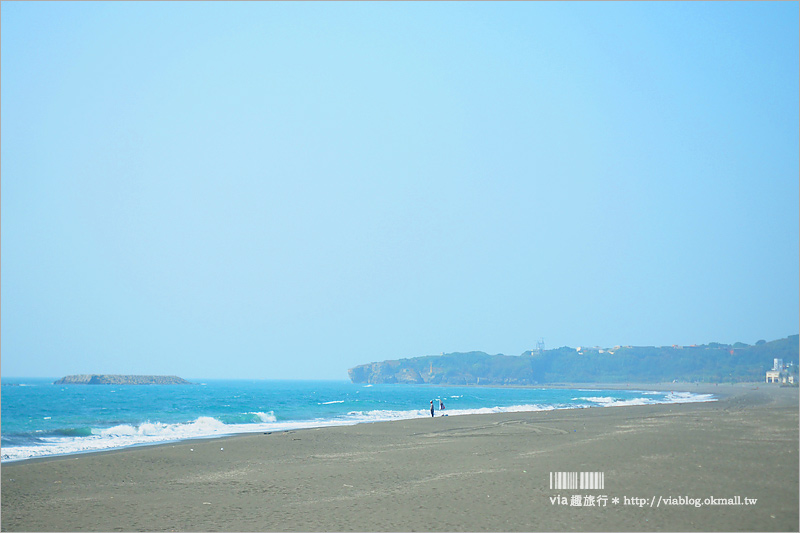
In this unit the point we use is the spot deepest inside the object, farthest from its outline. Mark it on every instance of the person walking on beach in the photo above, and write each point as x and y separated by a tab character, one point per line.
431	407
441	405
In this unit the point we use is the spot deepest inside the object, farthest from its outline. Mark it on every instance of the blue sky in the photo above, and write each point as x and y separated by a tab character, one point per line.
286	190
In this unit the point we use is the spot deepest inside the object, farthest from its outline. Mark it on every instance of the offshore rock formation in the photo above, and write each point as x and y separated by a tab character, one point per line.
116	379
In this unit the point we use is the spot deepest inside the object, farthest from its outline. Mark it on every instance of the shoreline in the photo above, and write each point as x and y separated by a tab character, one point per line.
661	387
487	472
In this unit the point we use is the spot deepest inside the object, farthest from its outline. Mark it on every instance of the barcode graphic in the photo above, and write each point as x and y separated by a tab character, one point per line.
577	480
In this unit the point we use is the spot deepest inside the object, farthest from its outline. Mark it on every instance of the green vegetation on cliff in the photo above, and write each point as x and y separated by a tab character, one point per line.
709	363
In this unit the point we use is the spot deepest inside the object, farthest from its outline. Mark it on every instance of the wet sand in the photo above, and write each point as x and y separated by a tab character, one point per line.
466	473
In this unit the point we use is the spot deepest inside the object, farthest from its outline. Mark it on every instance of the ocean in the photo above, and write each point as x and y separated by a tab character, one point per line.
40	419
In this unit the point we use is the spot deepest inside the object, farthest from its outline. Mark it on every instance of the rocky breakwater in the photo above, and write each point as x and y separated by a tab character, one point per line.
117	379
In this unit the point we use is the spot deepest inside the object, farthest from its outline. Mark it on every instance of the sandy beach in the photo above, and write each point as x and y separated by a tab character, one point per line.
736	457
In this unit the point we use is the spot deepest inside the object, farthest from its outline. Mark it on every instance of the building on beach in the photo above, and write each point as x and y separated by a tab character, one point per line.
780	373
773	376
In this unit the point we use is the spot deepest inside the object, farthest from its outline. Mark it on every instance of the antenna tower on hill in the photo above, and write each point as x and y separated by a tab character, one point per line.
539	347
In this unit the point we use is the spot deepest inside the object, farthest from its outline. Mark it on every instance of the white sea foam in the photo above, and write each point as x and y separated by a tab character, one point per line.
334	401
672	397
609	401
689	397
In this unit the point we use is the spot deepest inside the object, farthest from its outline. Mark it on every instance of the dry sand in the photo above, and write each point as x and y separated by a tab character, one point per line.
474	473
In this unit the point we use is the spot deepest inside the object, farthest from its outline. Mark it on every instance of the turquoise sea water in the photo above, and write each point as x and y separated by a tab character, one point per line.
41	419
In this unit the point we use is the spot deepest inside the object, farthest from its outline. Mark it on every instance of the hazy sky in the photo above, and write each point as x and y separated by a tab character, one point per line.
286	190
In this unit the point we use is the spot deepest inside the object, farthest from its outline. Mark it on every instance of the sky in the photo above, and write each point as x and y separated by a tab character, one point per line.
287	190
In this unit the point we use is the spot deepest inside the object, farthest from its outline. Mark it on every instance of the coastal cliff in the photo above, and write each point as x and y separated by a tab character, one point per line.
713	362
116	379
448	369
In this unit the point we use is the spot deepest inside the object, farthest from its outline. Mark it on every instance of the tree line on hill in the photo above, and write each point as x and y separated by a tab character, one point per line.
713	362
